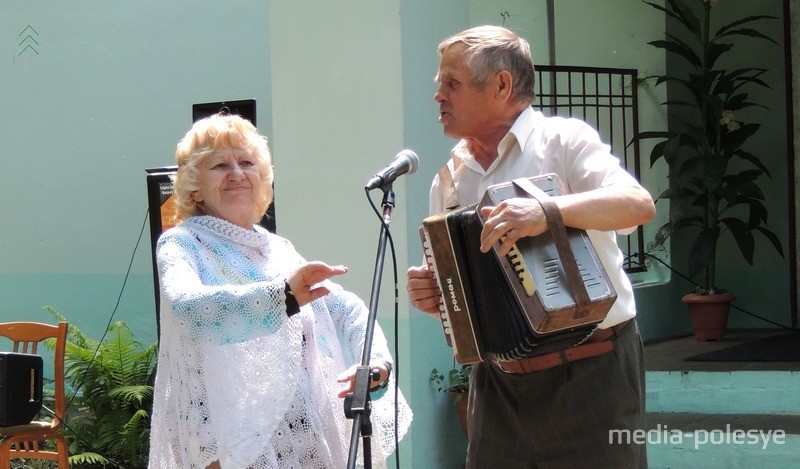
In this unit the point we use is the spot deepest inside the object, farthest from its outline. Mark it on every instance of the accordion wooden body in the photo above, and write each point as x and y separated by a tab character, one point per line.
537	299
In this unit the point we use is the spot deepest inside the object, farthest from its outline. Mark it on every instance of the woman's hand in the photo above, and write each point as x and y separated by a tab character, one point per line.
302	282
349	377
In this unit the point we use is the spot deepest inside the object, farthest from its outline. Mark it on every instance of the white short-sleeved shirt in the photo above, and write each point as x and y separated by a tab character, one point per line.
537	145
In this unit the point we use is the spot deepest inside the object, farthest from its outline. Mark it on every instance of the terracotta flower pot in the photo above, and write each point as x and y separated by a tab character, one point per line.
461	403
709	314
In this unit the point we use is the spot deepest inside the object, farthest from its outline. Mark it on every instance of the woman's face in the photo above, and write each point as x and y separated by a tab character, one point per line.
229	186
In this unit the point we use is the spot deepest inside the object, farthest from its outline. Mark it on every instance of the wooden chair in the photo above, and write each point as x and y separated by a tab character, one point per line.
23	441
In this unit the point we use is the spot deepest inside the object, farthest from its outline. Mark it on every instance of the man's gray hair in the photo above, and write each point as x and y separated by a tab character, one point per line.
491	49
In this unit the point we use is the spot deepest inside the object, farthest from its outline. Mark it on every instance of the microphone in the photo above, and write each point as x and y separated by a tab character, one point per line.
405	162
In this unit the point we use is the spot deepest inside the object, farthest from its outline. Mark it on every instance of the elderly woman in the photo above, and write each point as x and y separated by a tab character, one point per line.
257	345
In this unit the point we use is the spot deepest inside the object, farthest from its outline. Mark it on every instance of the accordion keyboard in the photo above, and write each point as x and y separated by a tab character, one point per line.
521	268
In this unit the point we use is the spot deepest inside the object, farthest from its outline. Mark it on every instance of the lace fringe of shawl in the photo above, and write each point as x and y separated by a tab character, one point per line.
237	380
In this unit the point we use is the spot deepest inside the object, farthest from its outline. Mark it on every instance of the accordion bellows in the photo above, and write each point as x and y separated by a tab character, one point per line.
547	294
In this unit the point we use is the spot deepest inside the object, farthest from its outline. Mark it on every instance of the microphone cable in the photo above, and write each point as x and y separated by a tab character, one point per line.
87	443
99	344
116	306
396	357
733	305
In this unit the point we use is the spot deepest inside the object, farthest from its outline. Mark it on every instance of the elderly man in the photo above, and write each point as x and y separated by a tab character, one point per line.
524	413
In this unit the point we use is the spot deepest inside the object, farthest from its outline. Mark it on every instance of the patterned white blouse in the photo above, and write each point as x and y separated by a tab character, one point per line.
238	380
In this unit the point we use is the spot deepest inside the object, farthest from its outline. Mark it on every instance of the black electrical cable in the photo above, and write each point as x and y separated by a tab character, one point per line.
396	324
733	305
100	342
116	306
87	443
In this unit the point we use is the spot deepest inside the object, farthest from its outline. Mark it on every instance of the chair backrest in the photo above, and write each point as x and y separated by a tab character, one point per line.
26	338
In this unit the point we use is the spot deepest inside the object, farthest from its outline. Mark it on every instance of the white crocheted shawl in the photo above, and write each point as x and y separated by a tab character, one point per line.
239	381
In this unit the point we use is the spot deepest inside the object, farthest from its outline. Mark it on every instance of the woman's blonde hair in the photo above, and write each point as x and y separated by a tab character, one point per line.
208	136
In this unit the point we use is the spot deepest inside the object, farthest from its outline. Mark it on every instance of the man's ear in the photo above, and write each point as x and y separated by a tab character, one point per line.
505	84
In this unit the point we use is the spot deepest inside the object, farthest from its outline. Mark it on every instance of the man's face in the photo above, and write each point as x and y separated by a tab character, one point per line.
464	108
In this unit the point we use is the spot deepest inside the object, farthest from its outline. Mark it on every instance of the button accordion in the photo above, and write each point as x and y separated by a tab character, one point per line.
547	294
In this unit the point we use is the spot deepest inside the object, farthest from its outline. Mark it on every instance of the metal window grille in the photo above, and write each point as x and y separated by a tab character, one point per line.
607	99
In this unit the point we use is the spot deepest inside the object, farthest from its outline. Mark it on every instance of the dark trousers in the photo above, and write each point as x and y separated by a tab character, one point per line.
568	416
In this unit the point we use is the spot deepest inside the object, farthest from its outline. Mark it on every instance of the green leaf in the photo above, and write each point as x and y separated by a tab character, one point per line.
758	213
662	234
708	193
685	15
714	52
680	48
734	139
680	12
703	250
728	29
112	385
87	458
742	235
773	238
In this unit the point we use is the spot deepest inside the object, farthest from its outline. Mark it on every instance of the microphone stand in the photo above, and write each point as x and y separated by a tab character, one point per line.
357	404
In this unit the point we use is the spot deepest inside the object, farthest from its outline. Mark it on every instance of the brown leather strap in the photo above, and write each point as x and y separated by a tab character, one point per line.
550	360
597	344
448	187
600	335
556	226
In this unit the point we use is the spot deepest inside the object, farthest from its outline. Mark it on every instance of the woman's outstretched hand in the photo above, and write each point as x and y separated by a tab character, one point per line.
303	281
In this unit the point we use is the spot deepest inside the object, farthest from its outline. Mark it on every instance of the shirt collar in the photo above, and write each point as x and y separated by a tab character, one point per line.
517	134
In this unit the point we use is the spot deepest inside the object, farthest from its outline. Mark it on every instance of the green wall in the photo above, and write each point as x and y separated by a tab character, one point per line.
610	34
104	91
763	290
577	43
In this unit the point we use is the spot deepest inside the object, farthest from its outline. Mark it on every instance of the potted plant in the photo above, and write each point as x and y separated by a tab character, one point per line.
112	385
455	383
713	190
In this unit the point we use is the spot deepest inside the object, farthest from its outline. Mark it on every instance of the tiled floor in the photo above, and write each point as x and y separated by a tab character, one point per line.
669	355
